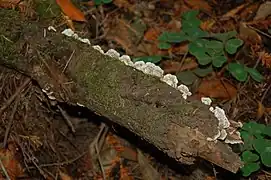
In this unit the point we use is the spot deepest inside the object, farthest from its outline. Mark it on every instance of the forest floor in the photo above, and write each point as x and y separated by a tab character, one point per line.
36	141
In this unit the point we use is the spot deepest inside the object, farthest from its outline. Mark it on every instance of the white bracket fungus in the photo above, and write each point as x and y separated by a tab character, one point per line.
225	132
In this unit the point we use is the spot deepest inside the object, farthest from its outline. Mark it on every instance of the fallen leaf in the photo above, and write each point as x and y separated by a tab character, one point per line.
64	176
124	173
207	25
123	4
217	88
174	26
199	4
71	11
248	34
249	12
260	110
10	163
232	13
152	34
263	11
265	59
175	66
119	32
9	3
148	172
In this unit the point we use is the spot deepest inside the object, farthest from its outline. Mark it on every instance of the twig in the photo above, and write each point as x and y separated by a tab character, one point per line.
11	99
259	31
182	61
4	170
266	91
68	62
61	163
94	144
10	122
67	119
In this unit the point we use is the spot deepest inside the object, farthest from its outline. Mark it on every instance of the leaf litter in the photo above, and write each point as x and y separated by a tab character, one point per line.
133	28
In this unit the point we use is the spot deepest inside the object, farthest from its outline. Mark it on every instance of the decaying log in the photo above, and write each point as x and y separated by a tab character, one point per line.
141	103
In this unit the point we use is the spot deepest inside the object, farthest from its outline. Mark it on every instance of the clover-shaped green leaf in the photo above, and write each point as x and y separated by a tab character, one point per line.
232	45
164	45
248	156
214	44
266	156
255	74
190	15
186	77
250	168
253	128
248	140
218	61
173	37
238	71
153	59
267	130
263	147
224	36
107	1
202	72
195	33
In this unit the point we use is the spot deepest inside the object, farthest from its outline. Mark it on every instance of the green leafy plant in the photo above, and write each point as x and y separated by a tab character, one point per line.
256	150
100	2
210	50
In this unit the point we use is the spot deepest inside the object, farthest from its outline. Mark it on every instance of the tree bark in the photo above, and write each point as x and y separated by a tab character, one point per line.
141	103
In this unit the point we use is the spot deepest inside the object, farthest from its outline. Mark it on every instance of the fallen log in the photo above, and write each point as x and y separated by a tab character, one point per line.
73	72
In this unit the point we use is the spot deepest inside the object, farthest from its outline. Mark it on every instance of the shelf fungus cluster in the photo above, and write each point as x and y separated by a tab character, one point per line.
227	131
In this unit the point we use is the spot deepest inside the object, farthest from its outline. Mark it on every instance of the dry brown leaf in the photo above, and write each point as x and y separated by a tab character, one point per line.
233	12
175	66
268	110
249	12
11	164
148	172
249	35
199	4
207	25
180	49
123	4
124	173
71	11
216	88
263	11
152	34
64	176
265	59
260	110
9	3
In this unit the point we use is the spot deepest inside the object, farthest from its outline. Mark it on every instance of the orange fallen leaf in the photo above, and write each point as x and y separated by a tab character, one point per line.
260	110
199	4
10	163
265	58
152	34
64	176
217	88
71	11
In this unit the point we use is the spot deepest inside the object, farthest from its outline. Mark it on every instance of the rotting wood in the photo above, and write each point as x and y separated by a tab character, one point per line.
141	103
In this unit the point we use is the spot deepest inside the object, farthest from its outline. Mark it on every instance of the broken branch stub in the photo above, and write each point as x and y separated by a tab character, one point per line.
141	103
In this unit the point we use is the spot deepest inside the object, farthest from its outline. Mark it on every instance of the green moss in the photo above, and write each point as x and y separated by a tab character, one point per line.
47	9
